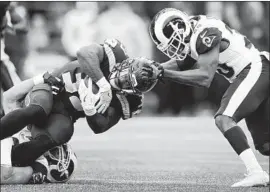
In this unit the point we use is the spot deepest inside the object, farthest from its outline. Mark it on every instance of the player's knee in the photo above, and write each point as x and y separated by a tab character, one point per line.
224	123
63	133
42	96
264	149
69	129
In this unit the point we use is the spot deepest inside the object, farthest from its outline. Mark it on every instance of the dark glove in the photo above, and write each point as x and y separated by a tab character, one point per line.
37	178
56	84
153	71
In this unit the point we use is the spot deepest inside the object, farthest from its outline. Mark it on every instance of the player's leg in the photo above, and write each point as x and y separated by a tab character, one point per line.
9	174
258	125
58	130
242	98
38	105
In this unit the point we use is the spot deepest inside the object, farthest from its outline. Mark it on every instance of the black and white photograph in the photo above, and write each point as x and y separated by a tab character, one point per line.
135	96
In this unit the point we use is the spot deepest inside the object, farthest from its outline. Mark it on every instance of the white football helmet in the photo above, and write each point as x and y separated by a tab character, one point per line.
170	30
62	163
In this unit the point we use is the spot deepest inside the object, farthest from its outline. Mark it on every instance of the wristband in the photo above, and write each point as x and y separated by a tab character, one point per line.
103	83
38	79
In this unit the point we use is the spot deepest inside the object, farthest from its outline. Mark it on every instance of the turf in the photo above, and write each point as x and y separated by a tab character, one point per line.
153	154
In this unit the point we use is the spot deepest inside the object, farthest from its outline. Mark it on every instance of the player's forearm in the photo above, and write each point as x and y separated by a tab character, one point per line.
101	123
194	77
19	91
89	58
16	175
170	65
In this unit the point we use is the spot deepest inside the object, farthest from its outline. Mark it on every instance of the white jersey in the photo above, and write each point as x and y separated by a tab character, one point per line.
238	52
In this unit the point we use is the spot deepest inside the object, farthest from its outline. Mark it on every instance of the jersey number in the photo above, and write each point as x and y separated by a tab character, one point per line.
225	70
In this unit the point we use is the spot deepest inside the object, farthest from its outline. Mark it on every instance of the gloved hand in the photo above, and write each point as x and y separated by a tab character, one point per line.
56	84
37	178
105	95
88	98
150	69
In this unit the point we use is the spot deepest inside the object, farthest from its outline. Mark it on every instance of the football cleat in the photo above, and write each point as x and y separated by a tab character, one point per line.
254	179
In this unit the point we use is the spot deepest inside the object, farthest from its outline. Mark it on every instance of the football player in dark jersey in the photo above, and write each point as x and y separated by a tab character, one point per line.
60	113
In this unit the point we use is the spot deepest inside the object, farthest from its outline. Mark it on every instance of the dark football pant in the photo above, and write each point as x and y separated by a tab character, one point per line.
55	131
59	125
247	98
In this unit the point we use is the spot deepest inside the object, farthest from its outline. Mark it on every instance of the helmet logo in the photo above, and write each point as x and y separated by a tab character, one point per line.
207	41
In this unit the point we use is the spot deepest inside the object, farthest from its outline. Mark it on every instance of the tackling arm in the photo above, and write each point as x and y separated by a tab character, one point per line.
19	91
197	77
176	65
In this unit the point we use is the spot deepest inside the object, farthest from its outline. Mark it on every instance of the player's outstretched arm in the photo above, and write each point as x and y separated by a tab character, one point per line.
202	76
17	92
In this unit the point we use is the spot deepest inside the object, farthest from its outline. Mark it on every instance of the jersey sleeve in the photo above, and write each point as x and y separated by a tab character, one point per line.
114	52
207	39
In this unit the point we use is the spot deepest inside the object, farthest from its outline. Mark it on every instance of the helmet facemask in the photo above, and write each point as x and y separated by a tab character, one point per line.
126	77
177	46
171	32
123	79
60	154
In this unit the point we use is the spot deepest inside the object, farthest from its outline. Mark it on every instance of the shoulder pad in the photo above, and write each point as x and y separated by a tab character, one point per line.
207	39
115	52
118	49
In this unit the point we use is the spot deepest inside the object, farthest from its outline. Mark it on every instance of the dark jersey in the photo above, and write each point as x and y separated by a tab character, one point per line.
72	74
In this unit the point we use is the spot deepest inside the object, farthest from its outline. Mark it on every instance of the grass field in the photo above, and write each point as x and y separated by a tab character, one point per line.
152	154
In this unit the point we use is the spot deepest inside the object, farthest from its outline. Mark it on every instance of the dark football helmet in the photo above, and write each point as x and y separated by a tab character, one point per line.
126	77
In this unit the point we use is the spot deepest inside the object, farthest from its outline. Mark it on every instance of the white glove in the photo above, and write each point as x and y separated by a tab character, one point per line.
105	95
88	98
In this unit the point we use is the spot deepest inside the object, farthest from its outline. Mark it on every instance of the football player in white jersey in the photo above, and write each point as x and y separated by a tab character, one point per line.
207	45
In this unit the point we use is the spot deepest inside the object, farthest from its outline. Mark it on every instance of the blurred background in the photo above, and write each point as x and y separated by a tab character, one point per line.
52	32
